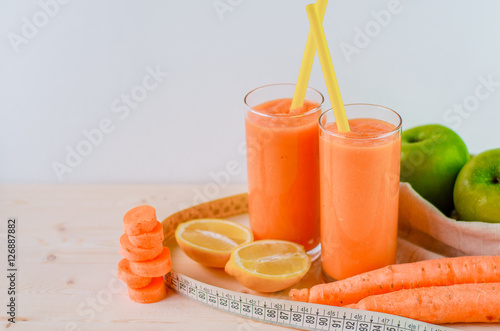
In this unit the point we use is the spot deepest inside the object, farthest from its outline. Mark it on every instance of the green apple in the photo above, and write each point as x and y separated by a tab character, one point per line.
477	189
431	158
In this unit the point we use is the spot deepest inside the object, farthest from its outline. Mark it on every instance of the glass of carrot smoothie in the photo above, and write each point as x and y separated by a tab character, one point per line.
283	165
359	176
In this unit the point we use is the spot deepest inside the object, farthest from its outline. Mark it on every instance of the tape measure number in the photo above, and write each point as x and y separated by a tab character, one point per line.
299	315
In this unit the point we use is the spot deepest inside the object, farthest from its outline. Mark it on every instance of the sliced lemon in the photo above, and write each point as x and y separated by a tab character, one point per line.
268	265
211	241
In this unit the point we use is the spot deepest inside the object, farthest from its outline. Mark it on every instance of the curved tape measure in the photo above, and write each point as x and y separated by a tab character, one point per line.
281	312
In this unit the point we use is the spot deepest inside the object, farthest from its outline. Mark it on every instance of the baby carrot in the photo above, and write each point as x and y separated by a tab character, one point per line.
437	272
132	253
463	303
139	220
149	239
154	292
299	294
128	277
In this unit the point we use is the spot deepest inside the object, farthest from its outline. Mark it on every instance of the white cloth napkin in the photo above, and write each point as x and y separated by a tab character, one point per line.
425	233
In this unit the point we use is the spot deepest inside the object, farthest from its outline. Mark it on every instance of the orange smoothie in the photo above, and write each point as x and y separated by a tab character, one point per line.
283	171
359	173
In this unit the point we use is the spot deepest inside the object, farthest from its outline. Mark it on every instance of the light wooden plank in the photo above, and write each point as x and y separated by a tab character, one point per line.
68	250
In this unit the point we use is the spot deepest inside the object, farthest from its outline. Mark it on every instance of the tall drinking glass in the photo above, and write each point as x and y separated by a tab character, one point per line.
359	176
283	165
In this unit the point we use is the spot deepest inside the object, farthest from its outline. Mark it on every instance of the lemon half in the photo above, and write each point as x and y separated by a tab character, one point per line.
211	241
268	265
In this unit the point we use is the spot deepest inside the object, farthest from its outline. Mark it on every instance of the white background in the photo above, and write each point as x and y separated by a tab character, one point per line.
64	77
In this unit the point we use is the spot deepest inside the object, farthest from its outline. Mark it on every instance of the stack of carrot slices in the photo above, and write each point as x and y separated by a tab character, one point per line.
145	260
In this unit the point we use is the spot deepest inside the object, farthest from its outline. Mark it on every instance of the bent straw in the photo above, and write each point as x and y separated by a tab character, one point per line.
326	64
307	62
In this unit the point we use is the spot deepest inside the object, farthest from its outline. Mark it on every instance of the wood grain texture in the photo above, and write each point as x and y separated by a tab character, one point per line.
68	253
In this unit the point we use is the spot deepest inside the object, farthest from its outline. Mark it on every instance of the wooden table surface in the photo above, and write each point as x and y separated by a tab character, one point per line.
67	253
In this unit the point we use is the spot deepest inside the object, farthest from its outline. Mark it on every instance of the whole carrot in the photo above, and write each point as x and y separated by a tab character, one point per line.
437	272
463	303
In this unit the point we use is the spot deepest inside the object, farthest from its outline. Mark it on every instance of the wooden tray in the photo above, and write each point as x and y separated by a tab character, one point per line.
235	208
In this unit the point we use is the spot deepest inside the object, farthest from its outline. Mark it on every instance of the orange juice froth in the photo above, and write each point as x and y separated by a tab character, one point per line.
359	196
283	171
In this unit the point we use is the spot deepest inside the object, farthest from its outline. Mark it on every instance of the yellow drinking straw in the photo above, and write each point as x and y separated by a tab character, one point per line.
326	64
307	62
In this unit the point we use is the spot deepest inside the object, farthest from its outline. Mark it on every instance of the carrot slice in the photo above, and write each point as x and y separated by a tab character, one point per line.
157	267
154	292
128	277
139	220
463	303
132	253
149	239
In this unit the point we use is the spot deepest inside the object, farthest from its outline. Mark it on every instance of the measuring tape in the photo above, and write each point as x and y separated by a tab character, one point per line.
300	315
